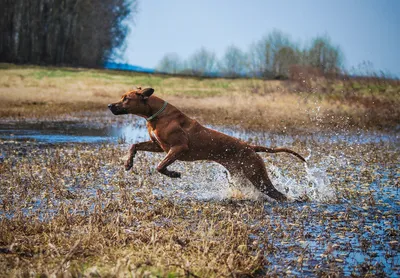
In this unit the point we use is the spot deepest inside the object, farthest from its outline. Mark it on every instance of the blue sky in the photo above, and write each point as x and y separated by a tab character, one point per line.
364	29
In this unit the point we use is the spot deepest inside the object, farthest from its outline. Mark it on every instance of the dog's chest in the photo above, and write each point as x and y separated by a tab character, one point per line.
154	136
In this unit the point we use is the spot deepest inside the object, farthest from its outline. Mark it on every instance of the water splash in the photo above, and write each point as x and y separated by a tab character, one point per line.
315	185
241	188
206	181
319	185
211	181
200	180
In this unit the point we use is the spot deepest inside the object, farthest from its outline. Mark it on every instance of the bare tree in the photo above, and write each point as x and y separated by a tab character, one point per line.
233	64
170	63
202	62
325	56
272	55
283	59
277	39
258	60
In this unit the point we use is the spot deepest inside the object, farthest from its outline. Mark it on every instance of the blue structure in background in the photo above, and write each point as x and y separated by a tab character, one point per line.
118	66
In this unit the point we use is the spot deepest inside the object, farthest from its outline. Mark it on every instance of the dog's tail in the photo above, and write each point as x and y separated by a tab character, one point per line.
276	150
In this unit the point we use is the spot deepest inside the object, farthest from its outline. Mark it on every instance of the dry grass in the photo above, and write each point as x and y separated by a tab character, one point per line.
30	92
72	211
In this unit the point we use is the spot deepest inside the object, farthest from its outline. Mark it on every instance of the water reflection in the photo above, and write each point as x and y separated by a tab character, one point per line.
76	132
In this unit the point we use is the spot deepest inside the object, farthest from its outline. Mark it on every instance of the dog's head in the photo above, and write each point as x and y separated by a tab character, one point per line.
132	102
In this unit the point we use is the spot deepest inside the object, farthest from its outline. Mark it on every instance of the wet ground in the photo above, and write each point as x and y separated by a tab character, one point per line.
348	224
86	132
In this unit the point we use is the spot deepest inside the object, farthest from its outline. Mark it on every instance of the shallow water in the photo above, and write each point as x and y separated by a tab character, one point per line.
211	180
77	132
63	132
356	228
215	183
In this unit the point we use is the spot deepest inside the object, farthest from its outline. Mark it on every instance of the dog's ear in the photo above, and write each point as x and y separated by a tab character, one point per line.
146	93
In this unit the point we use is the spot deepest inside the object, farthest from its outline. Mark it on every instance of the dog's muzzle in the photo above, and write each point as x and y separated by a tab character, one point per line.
111	107
116	110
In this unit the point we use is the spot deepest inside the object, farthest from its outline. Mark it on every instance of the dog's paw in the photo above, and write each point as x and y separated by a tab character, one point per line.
302	199
128	164
173	174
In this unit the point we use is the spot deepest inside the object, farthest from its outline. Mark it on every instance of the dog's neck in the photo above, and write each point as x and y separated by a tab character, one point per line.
155	115
155	108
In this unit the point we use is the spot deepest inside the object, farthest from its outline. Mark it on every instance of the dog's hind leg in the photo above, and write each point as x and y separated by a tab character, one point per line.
148	146
255	171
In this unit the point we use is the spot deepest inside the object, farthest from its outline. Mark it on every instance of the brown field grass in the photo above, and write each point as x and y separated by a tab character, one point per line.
34	92
72	211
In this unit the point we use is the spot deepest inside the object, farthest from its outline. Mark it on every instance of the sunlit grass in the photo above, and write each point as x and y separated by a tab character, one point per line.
250	103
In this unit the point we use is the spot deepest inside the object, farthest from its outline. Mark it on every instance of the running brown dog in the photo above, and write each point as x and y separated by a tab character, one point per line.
183	138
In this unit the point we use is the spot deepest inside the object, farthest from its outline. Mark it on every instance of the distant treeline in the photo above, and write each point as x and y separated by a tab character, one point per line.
274	56
62	32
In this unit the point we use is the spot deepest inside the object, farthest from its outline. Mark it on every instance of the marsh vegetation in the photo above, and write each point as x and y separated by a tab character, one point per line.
68	208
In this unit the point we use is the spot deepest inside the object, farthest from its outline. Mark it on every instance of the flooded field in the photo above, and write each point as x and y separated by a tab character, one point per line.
67	206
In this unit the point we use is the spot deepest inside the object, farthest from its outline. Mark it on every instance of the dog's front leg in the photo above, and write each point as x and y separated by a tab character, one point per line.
171	157
148	146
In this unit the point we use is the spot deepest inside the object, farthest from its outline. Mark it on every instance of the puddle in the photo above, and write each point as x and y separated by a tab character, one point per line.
70	132
76	132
